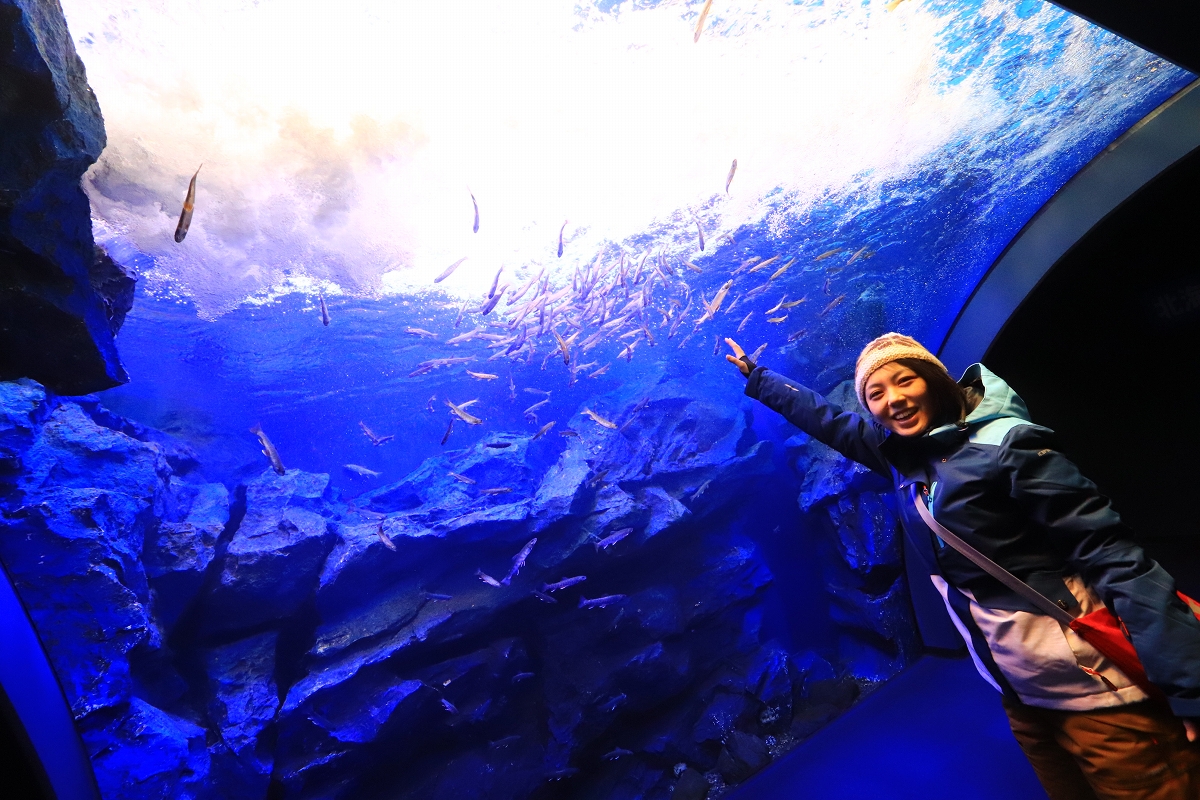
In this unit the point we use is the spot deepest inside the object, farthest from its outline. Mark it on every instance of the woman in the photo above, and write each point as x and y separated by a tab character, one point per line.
992	477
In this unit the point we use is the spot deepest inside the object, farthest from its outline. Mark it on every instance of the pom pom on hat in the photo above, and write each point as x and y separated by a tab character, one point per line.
884	350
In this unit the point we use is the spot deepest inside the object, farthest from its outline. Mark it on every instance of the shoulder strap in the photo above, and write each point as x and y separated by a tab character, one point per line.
1043	603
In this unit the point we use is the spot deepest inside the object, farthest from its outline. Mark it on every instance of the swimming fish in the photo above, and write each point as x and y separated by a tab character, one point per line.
562	345
692	266
859	254
600	602
446	704
764	264
798	334
268	449
699	231
446	435
712	308
563	584
833	304
512	389
781	270
483	376
519	561
542	431
497	490
185	217
488	579
463	415
777	306
487	307
834	251
324	309
616	753
826	287
531	390
375	438
361	471
437	596
600	371
450	269
614	701
777	320
700	491
599	420
567	432
520	676
498	445
545	598
611	539
560	234
434	363
383	537
537	405
461	478
703	15
475	227
794	303
729	180
421	332
758	353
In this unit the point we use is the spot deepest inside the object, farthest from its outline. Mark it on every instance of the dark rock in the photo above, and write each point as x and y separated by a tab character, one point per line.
54	326
144	752
691	785
743	755
725	712
838	692
244	700
273	561
115	286
178	552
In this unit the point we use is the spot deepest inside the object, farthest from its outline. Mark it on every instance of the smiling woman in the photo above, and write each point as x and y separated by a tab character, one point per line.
991	477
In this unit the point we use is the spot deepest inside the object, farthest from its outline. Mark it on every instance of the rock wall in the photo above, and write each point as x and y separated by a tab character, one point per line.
277	641
61	302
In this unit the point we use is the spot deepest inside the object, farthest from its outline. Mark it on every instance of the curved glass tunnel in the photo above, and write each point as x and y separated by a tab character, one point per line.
517	533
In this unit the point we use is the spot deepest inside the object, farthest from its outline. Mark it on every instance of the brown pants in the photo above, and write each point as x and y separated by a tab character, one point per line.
1133	752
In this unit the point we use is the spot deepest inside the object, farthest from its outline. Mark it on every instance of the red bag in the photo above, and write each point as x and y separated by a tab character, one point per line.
1103	630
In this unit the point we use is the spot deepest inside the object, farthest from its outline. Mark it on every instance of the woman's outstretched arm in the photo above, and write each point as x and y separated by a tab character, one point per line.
850	434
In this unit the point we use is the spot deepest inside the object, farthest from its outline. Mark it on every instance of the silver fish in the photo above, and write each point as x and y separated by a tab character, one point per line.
449	270
185	216
520	676
383	537
375	438
463	415
600	602
563	584
519	561
744	321
475	227
488	579
729	180
610	540
269	449
543	431
361	471
434	363
446	704
545	598
613	755
700	231
421	332
537	405
324	309
560	235
461	478
497	490
495	283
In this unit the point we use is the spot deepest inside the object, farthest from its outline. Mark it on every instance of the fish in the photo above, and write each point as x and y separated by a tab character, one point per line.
700	232
764	264
777	306
716	344
185	216
859	254
463	415
794	303
435	363
465	337
461	478
495	283
703	16
729	180
324	309
446	435
475	227
545	598
600	371
487	307
446	704
566	772
537	405
798	334
488	579
461	310
833	304
600	602
542	431
781	270
777	320
449	270
892	5
825	289
611	539
562	345
514	297
614	754
567	432
482	376
519	561
520	676
512	389
531	390
424	334
712	308
437	596
361	471
599	420
560	234
758	353
700	491
613	702
498	445
374	437
563	584
383	537
268	449
692	266
830	253
497	490
597	479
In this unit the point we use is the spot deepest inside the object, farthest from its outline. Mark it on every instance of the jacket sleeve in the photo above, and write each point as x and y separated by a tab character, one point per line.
850	434
1084	527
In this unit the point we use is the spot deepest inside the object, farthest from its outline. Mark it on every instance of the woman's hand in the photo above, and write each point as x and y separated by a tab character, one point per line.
739	358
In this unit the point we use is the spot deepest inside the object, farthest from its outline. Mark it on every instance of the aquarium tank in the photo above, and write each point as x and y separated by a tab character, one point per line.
418	470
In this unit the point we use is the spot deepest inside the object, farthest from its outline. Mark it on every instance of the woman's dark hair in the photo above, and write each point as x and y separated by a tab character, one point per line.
950	402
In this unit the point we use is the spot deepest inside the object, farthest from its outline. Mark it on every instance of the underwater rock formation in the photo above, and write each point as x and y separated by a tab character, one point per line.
273	639
60	301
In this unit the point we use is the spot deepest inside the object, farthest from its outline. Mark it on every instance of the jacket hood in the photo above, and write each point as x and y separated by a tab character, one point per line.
999	400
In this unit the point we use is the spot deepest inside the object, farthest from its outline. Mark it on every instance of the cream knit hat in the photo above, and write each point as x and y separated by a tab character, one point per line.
884	350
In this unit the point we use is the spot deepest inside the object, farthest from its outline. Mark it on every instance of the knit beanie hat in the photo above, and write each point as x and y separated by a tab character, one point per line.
884	350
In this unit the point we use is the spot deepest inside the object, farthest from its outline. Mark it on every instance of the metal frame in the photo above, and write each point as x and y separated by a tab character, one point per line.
1145	151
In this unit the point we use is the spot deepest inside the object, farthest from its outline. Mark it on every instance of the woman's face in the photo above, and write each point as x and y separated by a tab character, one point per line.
899	399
